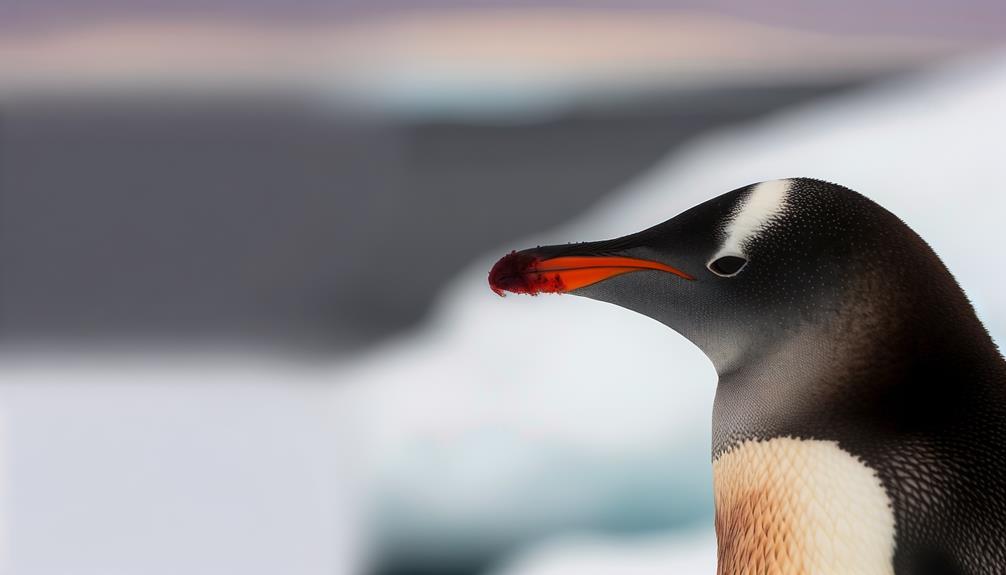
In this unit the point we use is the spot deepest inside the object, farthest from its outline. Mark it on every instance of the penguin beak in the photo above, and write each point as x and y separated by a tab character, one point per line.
530	273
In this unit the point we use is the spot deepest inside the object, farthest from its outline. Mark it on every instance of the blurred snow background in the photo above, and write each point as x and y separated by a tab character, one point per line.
243	264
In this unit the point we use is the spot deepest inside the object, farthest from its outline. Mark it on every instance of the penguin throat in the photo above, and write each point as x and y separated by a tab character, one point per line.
800	506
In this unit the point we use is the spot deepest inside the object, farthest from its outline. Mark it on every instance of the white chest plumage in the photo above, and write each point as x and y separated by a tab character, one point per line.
788	506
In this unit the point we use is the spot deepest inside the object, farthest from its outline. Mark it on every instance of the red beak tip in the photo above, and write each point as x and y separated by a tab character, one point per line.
509	274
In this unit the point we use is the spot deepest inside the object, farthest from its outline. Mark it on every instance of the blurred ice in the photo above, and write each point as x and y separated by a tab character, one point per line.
492	429
680	554
468	415
162	467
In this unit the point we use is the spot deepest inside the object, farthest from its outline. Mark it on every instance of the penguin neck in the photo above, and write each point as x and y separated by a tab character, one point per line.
861	373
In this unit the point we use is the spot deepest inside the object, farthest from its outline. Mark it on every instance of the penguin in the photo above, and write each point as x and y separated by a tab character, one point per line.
859	421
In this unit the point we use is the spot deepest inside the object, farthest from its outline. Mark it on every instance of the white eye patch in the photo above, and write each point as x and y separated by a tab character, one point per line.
764	203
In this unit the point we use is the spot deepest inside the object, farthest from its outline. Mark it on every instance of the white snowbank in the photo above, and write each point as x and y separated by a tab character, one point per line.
161	467
679	554
465	418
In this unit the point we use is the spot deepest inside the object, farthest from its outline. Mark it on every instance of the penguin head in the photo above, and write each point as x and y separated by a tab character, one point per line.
741	274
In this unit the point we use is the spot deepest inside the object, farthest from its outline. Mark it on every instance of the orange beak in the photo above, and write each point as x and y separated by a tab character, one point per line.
521	272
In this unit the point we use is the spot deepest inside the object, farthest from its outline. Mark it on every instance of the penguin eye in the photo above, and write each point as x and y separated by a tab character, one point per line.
727	266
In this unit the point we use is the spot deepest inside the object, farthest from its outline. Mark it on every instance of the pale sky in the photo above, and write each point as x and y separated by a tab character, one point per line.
978	20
